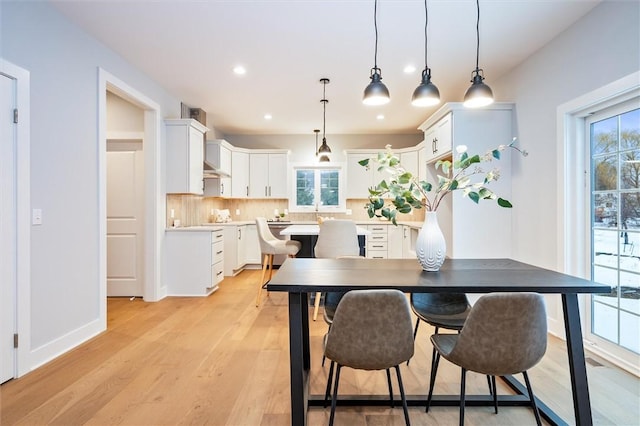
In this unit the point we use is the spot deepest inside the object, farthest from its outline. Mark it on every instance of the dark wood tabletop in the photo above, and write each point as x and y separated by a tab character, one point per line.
459	275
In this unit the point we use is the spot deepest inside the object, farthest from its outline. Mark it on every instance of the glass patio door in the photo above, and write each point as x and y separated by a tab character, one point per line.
615	229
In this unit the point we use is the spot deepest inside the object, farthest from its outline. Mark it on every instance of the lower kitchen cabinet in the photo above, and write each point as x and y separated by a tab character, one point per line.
194	262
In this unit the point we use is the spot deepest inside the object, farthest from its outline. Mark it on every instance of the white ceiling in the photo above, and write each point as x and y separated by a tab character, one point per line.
191	46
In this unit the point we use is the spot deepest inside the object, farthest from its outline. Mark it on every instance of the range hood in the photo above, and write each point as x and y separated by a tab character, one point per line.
210	171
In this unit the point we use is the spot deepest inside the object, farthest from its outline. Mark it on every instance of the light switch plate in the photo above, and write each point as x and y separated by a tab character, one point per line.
36	217
349	212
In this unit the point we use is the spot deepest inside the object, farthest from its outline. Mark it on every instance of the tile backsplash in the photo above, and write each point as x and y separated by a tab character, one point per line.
193	210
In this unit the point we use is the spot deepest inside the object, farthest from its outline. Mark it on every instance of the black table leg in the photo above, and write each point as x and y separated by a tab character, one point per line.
300	359
577	367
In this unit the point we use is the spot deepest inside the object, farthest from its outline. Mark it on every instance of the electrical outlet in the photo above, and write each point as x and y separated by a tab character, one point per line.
237	212
349	212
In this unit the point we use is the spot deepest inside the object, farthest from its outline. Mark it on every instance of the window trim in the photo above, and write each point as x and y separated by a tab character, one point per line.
340	208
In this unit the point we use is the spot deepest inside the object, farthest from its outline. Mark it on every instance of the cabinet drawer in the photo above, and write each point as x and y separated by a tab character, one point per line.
376	254
217	251
217	273
374	238
376	245
217	236
378	229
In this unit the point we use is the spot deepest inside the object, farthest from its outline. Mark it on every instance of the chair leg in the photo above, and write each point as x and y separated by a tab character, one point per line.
270	269
462	390
390	388
316	305
402	395
533	398
415	333
432	381
329	380
494	391
334	397
265	262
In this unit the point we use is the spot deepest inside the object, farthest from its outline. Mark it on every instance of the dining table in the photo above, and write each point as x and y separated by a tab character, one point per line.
302	276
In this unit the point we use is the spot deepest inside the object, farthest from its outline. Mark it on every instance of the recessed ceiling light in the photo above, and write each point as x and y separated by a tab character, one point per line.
268	116
409	69
380	116
239	70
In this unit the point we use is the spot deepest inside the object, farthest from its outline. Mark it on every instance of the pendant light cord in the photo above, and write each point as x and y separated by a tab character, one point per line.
324	109
375	25
426	21
478	36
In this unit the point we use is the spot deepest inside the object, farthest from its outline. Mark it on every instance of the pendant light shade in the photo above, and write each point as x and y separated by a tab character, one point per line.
426	94
324	149
376	93
479	94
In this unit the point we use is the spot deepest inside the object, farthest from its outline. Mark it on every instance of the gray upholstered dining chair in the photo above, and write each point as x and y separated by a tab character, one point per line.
336	238
269	247
371	330
504	334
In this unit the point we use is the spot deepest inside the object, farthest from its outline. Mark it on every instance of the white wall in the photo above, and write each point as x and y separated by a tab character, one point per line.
598	49
63	62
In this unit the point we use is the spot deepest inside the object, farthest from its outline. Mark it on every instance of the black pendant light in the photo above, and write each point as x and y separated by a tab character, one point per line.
426	94
324	149
376	93
479	94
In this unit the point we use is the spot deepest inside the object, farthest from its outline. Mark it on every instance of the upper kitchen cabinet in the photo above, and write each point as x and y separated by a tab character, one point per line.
185	156
438	138
268	173
240	167
359	179
218	169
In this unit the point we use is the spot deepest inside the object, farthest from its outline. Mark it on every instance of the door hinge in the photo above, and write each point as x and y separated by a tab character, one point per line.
15	340
15	115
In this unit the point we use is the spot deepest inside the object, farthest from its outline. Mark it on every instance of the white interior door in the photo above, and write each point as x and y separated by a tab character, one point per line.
8	284
125	213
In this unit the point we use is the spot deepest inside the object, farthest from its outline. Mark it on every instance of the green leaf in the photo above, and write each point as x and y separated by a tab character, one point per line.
364	163
504	203
393	161
474	197
426	186
496	154
485	193
404	178
464	156
453	185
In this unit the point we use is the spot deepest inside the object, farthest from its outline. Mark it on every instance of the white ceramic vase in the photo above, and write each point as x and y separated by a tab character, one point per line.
430	245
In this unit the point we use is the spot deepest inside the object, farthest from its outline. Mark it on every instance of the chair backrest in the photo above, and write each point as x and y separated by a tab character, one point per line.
505	333
337	238
371	330
440	303
264	235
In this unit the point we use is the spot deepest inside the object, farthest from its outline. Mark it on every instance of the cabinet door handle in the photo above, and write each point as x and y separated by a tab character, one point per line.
218	273
269	191
247	191
435	145
219	252
239	234
219	236
265	191
222	188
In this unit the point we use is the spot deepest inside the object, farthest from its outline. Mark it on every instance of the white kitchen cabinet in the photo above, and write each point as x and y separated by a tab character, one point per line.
252	246
185	156
359	179
395	241
193	262
409	160
268	175
240	174
218	153
377	242
484	229
438	139
235	249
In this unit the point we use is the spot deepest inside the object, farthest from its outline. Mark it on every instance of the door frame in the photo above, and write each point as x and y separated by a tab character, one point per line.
23	225
154	203
573	238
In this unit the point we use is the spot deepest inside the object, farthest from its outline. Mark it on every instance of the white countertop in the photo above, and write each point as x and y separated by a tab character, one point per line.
314	230
363	223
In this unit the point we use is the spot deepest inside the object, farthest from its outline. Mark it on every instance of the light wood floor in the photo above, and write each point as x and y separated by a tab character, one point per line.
221	361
